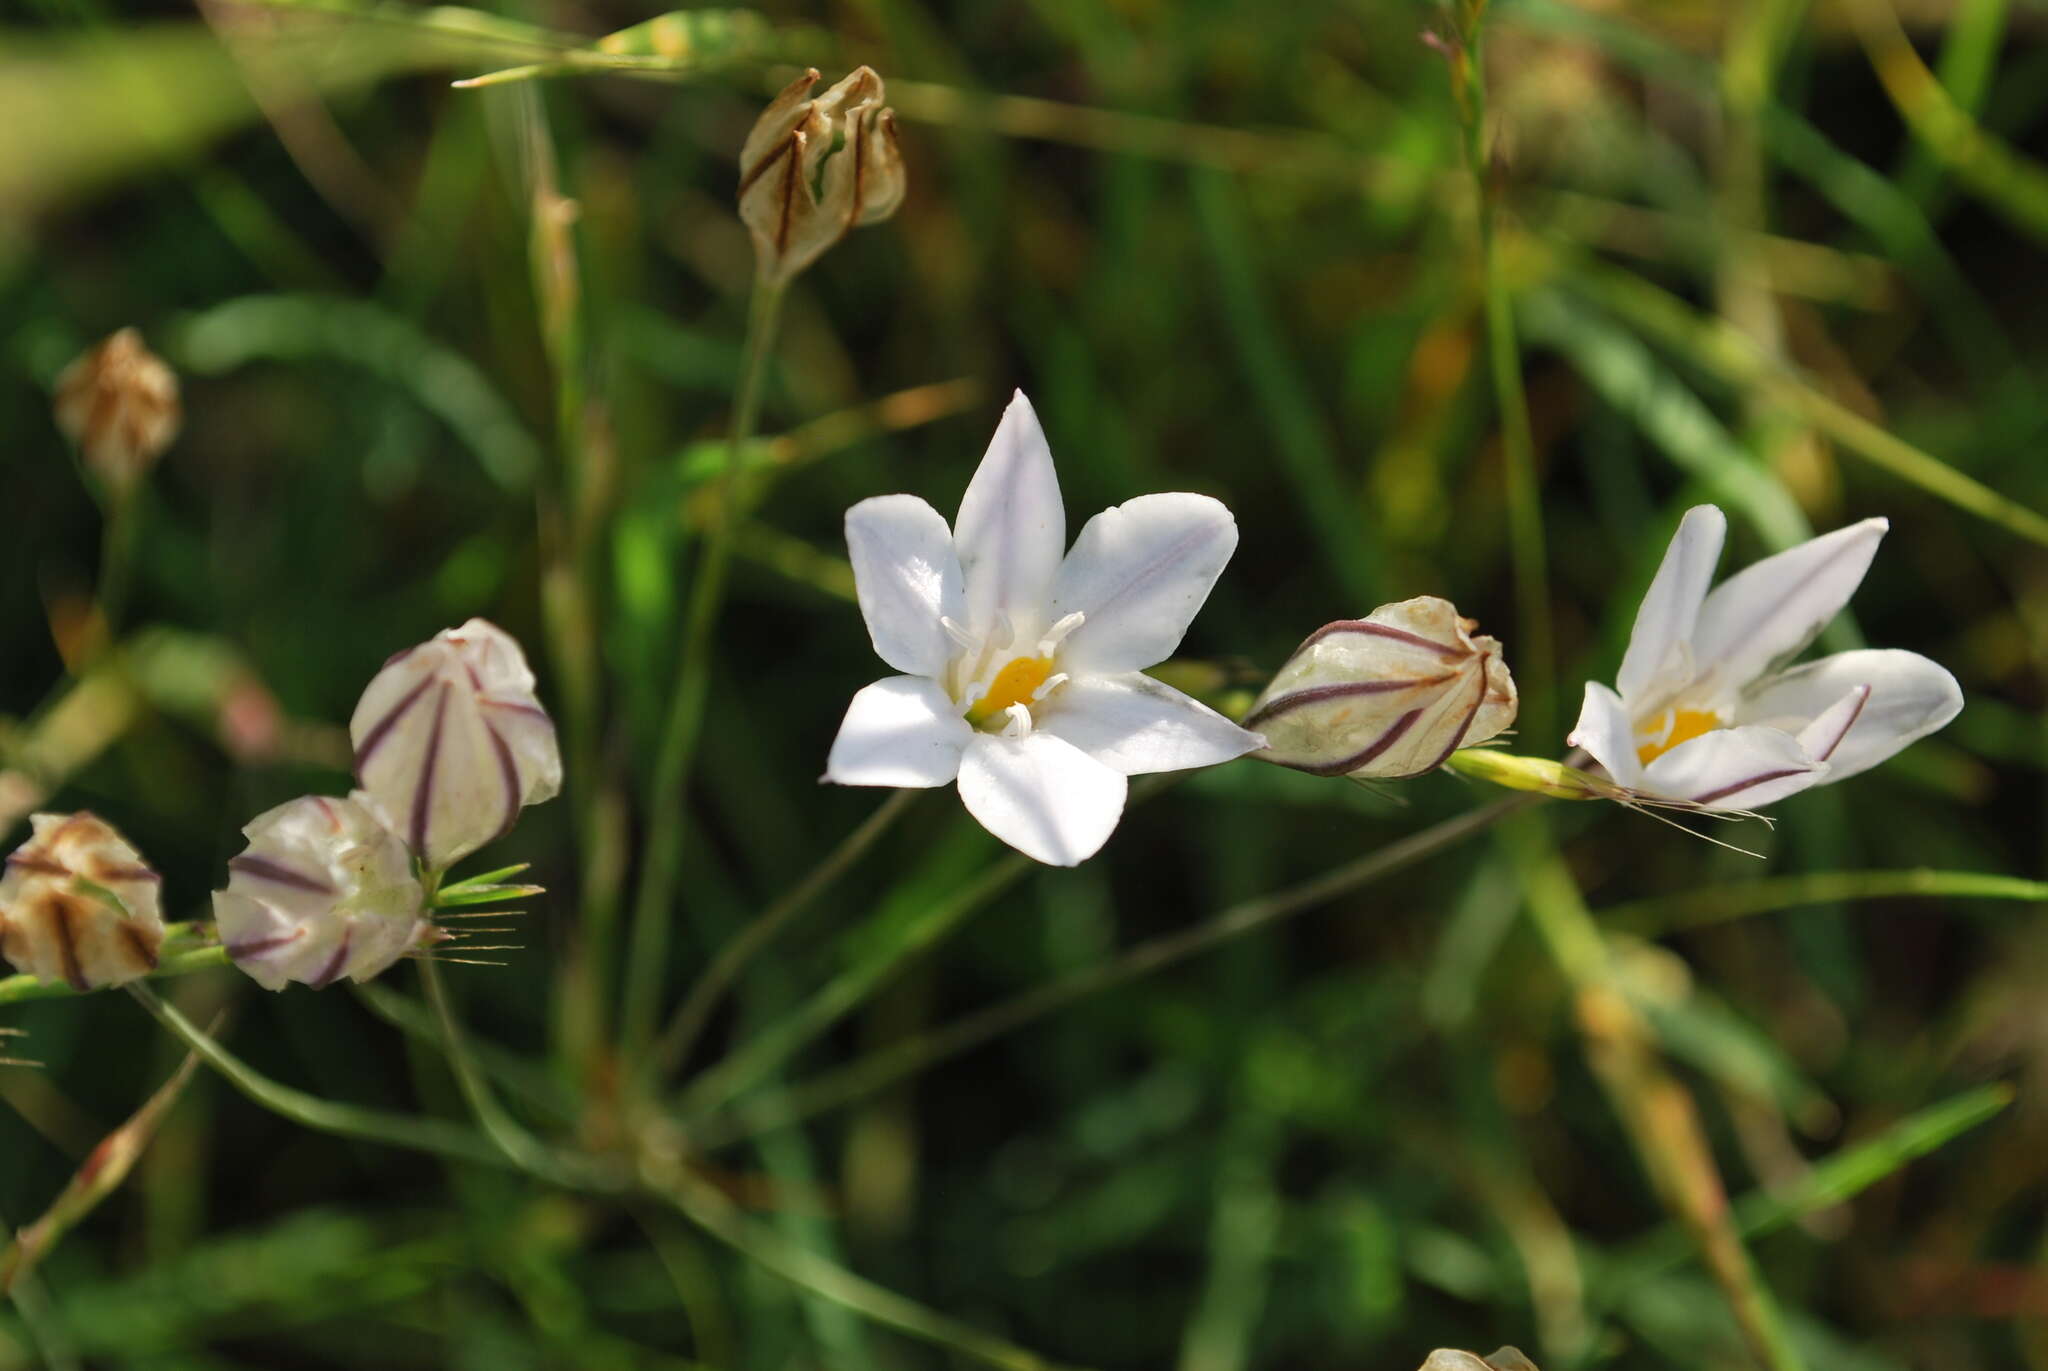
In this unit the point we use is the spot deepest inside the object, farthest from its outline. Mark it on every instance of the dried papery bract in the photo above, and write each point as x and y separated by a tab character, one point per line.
322	891
79	905
1389	695
815	168
451	742
119	403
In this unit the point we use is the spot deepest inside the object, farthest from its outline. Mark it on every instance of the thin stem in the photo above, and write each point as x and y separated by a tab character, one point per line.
1656	1111
715	1214
1722	903
325	1116
117	557
520	1147
1504	354
684	1028
666	806
916	1054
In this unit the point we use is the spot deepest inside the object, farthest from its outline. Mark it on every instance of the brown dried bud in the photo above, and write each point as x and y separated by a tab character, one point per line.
814	168
119	403
1389	695
1506	1359
79	905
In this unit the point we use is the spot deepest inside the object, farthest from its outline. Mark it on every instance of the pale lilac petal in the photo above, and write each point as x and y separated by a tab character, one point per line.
1766	614
1139	572
1910	697
1746	767
1134	724
1607	734
1042	795
1012	528
907	578
900	731
1664	624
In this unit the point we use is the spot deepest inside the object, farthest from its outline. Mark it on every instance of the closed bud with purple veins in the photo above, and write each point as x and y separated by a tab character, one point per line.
451	743
79	905
322	891
1391	695
816	167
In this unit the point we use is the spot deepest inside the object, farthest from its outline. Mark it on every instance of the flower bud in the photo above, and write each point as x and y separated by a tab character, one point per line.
451	743
79	905
322	891
119	403
1506	1359
813	168
1389	695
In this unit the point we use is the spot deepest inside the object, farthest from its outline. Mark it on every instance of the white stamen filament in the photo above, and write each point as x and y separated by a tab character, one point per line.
1057	634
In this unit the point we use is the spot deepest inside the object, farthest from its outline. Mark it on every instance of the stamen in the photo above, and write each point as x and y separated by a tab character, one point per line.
1052	683
957	631
1057	634
1016	684
1685	725
1017	722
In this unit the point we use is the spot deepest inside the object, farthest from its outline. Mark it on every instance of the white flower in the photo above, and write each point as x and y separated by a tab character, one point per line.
322	891
1709	717
1391	695
79	905
1022	667
451	743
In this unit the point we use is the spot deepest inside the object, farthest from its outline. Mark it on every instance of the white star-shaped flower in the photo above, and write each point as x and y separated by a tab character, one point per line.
1708	715
1023	661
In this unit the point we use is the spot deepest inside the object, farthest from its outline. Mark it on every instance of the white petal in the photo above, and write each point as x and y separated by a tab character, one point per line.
1012	528
1042	795
1606	733
1134	724
907	578
1766	614
900	731
1910	697
1139	572
1746	767
1671	607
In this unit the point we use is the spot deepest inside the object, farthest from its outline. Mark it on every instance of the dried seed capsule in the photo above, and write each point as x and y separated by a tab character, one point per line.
814	168
1389	695
322	891
119	403
451	743
79	905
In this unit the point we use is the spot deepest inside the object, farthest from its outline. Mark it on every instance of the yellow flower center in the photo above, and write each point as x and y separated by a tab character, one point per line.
1686	724
1015	684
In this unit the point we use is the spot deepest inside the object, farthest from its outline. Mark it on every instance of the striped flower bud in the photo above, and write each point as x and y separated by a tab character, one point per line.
79	905
119	404
451	743
814	168
1389	695
322	891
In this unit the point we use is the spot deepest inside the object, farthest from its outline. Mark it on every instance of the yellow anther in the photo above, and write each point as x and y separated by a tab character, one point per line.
1686	724
1014	685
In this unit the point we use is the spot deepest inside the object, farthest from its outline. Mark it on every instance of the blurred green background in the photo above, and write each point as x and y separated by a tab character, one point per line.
1758	254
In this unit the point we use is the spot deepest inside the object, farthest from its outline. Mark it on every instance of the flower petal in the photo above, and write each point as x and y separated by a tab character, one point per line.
907	577
900	731
1134	724
1606	733
1012	528
1910	697
1671	607
1746	767
1042	795
1766	614
1139	572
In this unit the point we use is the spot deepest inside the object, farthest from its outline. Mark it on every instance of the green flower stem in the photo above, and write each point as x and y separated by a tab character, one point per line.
715	1214
654	905
16	989
520	1147
916	1054
123	513
1722	903
324	1116
1518	442
1656	1111
673	1048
